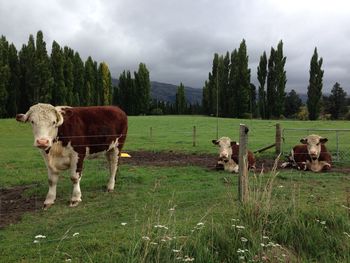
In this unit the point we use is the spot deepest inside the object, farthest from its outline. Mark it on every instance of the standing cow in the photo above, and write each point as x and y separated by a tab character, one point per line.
229	155
311	155
66	135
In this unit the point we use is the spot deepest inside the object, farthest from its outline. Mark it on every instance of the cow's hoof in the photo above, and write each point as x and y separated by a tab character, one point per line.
110	190
74	203
47	206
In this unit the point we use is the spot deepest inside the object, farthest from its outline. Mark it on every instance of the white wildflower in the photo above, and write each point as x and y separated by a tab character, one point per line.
36	241
68	260
176	250
188	259
162	240
240	251
323	222
243	239
347	234
146	238
123	224
262	244
280	186
200	224
40	236
75	234
153	243
235	219
172	209
240	227
161	226
241	258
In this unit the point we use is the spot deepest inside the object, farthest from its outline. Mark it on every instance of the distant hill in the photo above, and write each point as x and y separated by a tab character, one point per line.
167	92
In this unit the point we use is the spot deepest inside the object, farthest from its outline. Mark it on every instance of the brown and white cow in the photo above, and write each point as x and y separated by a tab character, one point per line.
229	155
311	155
66	135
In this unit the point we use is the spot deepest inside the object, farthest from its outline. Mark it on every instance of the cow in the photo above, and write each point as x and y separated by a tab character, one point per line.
311	155
228	155
66	135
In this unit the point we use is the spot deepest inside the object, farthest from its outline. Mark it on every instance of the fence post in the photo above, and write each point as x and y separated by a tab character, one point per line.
194	137
243	193
278	139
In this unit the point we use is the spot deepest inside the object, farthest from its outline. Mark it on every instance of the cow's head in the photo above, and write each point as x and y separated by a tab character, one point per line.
45	120
313	143
225	148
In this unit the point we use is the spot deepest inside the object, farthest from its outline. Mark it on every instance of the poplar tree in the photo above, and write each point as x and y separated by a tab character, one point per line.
281	80
180	100
262	74
89	83
314	91
42	79
78	80
233	85
69	74
205	98
4	75
13	87
105	80
243	81
59	92
271	85
143	89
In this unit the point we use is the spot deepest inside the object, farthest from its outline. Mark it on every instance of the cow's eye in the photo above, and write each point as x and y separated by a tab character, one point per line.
318	144
32	122
54	123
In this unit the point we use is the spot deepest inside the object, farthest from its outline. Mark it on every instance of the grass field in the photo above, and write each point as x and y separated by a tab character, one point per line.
179	214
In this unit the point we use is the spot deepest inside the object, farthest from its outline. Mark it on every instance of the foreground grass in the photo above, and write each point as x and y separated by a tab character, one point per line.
177	214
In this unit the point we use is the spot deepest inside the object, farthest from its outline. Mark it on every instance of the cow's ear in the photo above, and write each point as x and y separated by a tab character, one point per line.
303	141
22	117
233	143
216	142
323	140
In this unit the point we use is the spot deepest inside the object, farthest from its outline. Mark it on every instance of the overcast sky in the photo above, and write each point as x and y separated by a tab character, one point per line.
176	39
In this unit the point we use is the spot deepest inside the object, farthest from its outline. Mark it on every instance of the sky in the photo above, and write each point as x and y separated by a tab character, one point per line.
177	39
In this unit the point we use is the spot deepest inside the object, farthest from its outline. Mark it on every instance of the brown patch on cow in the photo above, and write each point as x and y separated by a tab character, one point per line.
13	204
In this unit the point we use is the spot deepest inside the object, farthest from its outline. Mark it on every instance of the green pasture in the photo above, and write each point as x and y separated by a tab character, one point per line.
178	214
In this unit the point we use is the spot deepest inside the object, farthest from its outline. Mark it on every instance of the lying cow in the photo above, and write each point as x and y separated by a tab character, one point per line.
229	155
311	155
67	135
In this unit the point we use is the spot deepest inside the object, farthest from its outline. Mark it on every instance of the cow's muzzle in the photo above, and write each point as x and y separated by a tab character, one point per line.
42	143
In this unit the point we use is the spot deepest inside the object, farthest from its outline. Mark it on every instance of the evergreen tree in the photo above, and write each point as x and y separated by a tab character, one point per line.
253	109
224	69
105	80
213	86
59	92
271	86
143	87
314	91
262	73
292	104
13	87
337	102
280	79
42	80
205	98
180	100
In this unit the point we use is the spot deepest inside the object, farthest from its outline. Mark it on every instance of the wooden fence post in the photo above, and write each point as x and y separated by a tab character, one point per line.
278	139
243	164
194	136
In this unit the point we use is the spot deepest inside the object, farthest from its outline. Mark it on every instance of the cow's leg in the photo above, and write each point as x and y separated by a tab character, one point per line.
52	180
51	194
112	158
75	176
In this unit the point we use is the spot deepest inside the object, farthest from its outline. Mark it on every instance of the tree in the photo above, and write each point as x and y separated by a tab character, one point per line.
69	74
243	93
143	89
271	85
89	83
262	73
292	104
105	80
180	100
233	85
314	91
14	81
78	80
4	75
59	92
280	79
42	79
337	102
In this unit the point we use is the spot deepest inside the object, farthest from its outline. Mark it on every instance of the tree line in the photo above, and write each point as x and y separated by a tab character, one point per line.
228	92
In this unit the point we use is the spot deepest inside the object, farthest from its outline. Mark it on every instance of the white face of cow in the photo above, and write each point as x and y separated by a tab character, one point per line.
313	143
45	120
225	148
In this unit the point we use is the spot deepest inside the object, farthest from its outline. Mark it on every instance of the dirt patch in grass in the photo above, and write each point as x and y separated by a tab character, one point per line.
13	204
